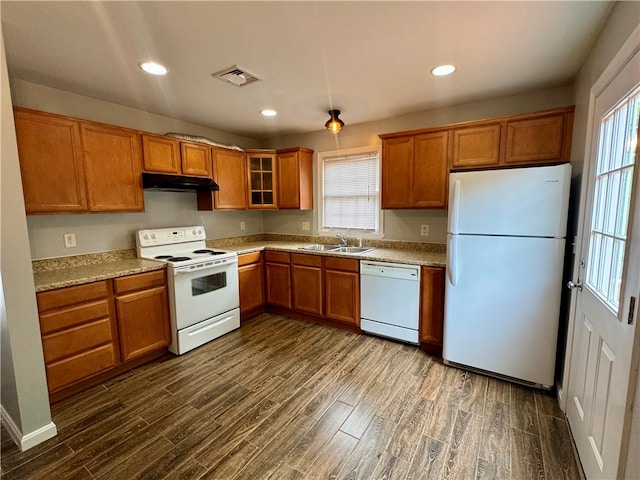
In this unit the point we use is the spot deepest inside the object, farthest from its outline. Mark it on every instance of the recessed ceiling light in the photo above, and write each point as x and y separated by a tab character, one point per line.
442	70
153	68
268	112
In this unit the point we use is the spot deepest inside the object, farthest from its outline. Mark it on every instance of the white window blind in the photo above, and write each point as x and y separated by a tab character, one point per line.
350	193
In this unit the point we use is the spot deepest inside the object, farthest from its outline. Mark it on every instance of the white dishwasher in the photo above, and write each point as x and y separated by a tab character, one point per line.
390	299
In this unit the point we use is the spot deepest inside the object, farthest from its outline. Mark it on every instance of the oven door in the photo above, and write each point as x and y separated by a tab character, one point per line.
201	294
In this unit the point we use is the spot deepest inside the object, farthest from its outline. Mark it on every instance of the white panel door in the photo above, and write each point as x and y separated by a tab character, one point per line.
520	201
598	397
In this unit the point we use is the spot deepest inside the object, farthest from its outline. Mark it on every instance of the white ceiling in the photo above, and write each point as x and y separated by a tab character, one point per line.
369	59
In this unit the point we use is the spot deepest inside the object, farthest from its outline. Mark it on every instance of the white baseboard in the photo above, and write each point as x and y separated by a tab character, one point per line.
31	439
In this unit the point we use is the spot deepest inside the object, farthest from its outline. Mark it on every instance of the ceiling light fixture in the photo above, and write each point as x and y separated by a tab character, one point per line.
334	124
153	68
443	70
267	112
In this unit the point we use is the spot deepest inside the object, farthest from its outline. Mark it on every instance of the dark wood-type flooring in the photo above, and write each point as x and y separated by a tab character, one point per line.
284	399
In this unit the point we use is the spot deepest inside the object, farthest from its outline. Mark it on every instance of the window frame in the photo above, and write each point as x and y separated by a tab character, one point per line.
350	232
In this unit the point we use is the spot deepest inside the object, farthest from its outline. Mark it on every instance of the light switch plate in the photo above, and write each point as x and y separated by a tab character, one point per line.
243	226
306	226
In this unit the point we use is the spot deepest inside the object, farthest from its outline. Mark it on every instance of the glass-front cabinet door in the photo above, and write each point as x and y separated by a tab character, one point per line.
262	179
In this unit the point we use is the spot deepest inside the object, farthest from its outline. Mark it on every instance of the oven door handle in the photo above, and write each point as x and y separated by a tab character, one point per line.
185	271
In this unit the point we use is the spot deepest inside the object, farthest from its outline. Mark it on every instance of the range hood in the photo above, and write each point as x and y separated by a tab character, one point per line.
177	183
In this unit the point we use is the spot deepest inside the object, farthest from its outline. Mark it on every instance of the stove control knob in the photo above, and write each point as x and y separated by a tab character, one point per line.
153	235
146	236
193	232
199	232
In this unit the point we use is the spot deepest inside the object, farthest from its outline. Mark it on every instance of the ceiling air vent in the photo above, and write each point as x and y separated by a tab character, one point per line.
236	76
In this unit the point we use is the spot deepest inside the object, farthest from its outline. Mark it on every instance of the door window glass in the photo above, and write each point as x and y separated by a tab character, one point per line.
617	145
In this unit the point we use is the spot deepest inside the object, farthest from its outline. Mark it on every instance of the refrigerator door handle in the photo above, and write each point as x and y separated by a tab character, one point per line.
455	207
451	259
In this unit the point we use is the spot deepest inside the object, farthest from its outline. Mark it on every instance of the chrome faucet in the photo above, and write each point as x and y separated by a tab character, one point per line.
343	237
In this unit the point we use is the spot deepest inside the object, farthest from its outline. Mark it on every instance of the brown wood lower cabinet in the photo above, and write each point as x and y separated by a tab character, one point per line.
143	314
251	284
306	283
278	278
432	309
79	334
342	287
88	330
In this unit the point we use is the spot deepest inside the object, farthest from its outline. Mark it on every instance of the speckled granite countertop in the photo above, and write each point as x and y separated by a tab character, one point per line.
61	272
69	271
429	259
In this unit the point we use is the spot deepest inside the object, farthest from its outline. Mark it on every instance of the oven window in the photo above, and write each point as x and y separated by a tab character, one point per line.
207	284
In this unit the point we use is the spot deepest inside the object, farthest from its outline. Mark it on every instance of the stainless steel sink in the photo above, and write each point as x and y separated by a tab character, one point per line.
320	248
354	250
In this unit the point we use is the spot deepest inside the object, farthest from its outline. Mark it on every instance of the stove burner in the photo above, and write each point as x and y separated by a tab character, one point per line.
210	252
178	259
162	257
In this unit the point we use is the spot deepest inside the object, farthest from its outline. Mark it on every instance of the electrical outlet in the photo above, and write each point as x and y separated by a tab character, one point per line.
243	226
424	230
69	240
306	226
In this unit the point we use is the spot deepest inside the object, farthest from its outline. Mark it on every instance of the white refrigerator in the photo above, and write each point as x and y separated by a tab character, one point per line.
505	252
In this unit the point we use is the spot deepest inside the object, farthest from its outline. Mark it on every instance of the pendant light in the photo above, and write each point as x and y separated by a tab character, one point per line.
334	124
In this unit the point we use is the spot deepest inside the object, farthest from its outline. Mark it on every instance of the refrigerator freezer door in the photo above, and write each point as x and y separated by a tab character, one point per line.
502	313
518	202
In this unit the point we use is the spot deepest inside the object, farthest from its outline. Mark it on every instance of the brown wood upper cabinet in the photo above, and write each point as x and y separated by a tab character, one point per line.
229	172
169	155
415	170
517	140
262	179
72	165
295	178
112	161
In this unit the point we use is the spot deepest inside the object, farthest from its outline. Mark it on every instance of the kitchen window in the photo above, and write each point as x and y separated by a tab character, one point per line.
350	192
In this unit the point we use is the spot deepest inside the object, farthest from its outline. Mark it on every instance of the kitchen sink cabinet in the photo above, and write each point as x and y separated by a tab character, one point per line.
74	166
262	179
251	284
142	313
79	333
113	166
342	287
307	283
415	171
295	178
432	309
50	154
278	278
95	330
229	172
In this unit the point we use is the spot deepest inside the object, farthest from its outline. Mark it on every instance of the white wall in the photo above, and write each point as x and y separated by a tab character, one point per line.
405	224
24	397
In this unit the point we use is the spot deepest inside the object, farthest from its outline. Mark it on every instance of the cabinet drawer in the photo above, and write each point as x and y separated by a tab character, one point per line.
308	260
85	364
73	316
248	258
345	264
75	340
64	297
276	257
139	281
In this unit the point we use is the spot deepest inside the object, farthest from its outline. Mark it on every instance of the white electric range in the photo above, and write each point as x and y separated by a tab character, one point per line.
203	284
